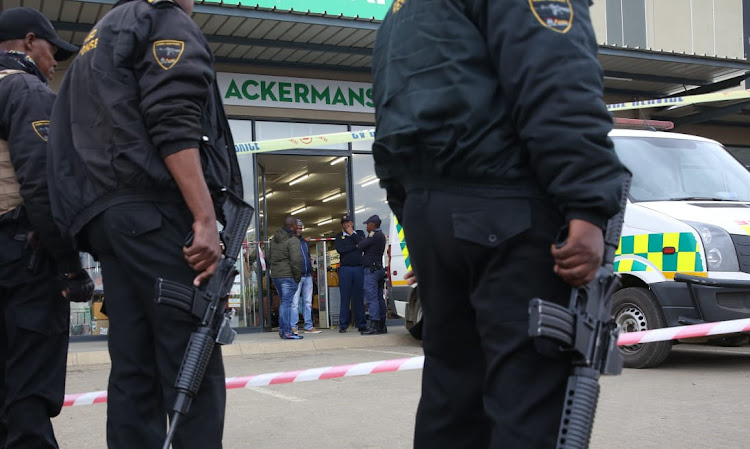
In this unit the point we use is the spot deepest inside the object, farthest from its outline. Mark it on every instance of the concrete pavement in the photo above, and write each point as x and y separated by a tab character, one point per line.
94	352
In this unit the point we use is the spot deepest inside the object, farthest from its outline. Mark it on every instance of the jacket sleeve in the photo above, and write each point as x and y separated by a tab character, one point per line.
28	113
295	258
175	75
365	243
546	62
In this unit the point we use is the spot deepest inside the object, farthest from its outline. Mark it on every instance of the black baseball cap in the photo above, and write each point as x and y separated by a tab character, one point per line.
373	219
16	23
346	218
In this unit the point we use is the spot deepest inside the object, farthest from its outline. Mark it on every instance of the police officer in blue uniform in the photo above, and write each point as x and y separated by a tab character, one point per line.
40	270
351	276
140	150
373	247
491	136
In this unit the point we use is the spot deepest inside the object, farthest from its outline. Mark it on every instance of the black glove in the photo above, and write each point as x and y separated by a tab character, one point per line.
80	287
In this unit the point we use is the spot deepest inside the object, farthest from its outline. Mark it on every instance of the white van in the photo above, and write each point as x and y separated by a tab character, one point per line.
684	254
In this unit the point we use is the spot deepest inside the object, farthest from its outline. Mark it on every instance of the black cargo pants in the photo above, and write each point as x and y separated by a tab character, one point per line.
478	263
34	331
137	243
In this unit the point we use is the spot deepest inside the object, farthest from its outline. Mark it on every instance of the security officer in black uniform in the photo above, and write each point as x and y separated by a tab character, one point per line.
492	135
373	247
140	149
38	266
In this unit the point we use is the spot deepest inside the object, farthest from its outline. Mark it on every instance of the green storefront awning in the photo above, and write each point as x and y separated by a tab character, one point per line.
371	9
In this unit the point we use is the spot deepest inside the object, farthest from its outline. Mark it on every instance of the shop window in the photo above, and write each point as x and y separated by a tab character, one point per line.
626	23
369	198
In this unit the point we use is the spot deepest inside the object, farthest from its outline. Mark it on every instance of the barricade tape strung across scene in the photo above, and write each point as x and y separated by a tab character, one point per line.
683	332
679	101
415	363
263	380
266	146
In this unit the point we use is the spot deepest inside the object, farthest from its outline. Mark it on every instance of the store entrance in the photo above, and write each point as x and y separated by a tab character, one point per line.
314	190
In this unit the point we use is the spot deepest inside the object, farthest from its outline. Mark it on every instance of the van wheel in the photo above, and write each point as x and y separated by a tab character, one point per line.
635	309
414	316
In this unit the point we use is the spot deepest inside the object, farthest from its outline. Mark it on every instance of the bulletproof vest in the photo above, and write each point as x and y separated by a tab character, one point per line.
10	197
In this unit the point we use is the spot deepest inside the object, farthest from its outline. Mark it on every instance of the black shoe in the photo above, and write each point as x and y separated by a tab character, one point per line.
382	329
372	330
342	330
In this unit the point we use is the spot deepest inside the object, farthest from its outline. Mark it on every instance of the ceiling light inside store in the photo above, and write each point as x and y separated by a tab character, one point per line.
300	179
325	222
268	195
300	210
370	182
332	197
337	160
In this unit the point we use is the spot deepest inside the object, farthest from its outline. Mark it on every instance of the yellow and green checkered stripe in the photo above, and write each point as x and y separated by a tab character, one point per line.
402	243
687	256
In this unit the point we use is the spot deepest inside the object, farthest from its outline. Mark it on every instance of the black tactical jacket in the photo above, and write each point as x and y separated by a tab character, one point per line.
142	88
25	106
497	99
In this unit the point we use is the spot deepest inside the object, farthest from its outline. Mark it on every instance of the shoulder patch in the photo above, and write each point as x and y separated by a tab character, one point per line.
557	15
397	5
167	53
41	128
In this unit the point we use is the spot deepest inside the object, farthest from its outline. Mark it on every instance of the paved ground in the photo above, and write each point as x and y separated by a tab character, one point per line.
697	399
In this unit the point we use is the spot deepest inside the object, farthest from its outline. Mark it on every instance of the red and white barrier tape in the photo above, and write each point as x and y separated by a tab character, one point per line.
261	380
680	332
415	363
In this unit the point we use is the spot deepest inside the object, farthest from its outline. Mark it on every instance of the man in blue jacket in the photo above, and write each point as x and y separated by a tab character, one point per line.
373	247
351	276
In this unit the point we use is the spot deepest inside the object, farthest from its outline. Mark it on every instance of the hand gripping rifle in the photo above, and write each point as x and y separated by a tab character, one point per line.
208	304
586	330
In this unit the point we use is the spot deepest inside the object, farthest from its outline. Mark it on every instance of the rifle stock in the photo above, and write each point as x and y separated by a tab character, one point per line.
588	332
208	304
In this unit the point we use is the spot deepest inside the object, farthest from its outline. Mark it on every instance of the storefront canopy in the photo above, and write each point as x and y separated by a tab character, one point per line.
338	35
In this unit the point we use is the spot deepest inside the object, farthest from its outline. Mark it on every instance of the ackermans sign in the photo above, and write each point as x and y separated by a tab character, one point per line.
298	93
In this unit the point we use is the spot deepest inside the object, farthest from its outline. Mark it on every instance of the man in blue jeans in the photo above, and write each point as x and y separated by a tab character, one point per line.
372	260
305	287
351	277
286	272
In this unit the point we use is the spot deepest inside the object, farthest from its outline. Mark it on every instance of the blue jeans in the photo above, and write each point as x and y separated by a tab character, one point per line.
374	293
306	288
286	288
351	287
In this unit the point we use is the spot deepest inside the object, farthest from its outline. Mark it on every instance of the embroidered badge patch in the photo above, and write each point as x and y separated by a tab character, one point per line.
556	15
167	53
41	128
397	5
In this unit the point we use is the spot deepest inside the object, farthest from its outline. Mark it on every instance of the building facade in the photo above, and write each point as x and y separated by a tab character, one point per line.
291	68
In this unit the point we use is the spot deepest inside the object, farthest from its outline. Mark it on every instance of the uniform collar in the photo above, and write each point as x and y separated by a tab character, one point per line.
12	59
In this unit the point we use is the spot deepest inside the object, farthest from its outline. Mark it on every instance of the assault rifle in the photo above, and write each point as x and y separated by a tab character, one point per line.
586	330
208	304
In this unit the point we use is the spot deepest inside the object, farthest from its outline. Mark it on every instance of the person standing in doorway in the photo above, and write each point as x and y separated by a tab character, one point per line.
40	270
304	288
351	276
286	272
373	247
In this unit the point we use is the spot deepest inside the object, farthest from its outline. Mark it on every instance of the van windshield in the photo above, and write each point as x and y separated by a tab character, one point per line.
682	169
